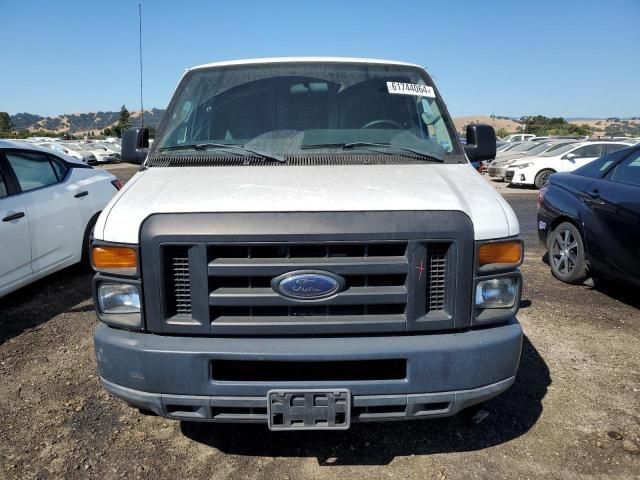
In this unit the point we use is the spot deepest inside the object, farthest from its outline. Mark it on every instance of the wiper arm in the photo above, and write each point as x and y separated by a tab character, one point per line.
231	146
351	145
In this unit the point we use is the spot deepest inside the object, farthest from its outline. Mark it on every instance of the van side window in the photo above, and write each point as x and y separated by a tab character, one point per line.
32	170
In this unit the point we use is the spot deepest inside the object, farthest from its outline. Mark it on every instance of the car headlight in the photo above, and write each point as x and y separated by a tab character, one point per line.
118	298
119	304
497	293
523	165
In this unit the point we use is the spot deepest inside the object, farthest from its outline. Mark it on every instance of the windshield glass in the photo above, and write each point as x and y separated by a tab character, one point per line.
558	150
305	108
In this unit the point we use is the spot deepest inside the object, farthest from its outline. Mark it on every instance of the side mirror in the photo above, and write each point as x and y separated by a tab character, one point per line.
481	143
135	145
570	156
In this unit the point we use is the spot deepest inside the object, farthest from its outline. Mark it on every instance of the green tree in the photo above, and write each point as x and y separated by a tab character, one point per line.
5	123
502	132
124	121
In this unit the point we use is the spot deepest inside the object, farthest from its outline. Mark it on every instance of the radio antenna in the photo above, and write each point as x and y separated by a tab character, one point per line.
140	56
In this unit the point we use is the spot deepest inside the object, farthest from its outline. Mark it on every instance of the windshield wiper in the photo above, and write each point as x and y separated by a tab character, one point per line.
231	146
351	145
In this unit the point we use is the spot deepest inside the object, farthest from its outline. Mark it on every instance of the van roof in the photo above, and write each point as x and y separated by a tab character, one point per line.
251	61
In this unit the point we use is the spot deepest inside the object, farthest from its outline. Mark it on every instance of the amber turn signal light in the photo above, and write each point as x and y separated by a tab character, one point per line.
503	253
114	259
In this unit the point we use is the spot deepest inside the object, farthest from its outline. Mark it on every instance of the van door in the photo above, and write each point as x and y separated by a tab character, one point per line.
55	225
15	254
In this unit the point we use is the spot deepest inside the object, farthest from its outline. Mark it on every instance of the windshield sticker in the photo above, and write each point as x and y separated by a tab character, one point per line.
411	89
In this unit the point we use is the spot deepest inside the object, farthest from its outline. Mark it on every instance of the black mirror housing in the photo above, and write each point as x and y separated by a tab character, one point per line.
135	145
481	142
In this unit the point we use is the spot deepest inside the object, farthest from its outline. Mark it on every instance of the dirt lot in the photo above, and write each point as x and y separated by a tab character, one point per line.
574	411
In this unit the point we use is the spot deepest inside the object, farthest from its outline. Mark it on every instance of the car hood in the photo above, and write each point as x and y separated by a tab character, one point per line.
305	189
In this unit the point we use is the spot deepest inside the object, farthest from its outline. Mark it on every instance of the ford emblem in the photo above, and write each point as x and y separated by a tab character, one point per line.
307	284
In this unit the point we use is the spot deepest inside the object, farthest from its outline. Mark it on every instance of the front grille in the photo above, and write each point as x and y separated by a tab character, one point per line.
218	274
509	175
375	287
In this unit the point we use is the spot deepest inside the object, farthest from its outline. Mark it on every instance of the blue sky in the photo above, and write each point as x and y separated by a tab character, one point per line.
572	58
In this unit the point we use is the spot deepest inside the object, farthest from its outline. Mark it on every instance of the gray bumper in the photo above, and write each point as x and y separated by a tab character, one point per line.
171	375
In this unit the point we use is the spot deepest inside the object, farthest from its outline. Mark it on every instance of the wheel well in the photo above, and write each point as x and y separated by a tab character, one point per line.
546	170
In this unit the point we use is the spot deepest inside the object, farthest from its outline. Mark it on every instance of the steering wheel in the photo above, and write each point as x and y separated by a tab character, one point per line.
383	121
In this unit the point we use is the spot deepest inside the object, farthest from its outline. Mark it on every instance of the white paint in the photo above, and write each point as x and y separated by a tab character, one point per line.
307	189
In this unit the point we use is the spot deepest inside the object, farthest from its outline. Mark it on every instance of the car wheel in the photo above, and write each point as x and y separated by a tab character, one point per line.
85	262
542	178
566	254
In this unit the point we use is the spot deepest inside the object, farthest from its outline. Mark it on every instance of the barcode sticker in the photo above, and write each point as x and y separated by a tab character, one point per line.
411	89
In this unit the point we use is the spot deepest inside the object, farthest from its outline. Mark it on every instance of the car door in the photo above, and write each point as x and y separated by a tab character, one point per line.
612	218
15	254
54	220
580	156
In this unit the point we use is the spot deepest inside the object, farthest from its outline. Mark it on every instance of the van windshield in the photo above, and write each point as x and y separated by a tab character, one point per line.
309	108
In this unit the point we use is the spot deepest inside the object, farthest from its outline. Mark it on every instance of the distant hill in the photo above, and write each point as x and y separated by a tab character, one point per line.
78	123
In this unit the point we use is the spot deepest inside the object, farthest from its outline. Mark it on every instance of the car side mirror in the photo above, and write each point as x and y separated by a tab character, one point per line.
570	156
135	145
481	142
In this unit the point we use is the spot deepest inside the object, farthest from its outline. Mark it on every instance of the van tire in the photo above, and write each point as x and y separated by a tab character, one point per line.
566	254
542	178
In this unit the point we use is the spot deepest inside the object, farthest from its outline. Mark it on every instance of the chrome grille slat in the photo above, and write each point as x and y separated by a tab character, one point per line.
437	277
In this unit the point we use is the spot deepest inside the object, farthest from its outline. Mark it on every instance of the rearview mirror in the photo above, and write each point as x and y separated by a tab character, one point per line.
481	143
570	156
135	145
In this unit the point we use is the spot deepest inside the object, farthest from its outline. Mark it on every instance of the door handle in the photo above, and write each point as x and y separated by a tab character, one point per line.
13	216
81	194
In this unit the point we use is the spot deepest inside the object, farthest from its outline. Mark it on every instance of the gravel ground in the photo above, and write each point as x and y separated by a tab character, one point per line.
574	411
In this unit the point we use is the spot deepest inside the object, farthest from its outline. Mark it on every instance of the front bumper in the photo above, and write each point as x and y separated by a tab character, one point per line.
171	375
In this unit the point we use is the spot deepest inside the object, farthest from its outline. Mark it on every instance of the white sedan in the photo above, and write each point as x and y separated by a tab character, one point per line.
49	203
537	170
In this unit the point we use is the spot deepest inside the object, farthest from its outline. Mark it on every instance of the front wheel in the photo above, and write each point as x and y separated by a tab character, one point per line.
85	262
566	254
542	178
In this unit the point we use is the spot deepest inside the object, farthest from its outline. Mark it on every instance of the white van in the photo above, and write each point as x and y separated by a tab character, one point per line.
307	245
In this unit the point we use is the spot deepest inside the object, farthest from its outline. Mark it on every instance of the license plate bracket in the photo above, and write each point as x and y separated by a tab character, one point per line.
309	409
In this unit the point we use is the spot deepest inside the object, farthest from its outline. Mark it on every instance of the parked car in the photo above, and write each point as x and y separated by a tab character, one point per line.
49	203
589	219
101	153
336	250
535	171
518	137
87	157
498	167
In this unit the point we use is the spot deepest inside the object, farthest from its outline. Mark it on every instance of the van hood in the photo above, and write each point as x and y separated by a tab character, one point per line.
306	189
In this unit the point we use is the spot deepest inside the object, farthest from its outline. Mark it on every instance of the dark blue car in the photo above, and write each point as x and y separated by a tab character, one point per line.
589	219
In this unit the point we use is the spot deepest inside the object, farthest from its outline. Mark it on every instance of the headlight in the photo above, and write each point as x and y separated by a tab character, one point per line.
497	293
119	304
118	298
523	165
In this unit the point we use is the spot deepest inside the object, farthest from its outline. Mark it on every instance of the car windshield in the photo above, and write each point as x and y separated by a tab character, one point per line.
308	108
524	147
558	150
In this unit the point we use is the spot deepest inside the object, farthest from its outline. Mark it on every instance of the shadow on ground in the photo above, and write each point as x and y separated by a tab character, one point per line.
512	414
31	306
